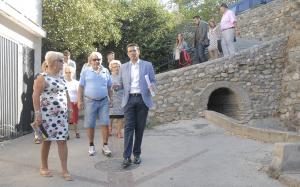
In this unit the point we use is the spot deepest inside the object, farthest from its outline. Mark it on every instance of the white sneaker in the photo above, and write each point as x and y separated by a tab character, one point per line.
106	151
92	151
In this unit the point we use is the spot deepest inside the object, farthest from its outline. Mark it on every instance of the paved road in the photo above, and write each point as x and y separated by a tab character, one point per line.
184	154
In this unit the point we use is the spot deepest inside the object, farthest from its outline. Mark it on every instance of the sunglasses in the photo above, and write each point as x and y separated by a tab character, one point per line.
97	59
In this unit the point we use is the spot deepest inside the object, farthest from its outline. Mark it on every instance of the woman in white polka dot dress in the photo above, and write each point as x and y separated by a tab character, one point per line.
51	103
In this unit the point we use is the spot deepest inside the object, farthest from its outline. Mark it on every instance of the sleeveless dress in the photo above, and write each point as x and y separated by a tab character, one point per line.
117	110
54	108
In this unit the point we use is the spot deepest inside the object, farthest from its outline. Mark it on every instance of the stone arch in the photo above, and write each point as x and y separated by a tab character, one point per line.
228	91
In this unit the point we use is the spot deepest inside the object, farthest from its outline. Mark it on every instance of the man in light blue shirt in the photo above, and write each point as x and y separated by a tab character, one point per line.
95	90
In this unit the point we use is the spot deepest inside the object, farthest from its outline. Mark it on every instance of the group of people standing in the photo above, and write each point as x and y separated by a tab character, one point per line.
216	38
107	97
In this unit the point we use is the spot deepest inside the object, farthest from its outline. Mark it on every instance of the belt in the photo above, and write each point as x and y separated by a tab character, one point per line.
228	28
96	99
135	94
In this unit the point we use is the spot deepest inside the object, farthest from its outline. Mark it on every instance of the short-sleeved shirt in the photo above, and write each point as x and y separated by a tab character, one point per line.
96	84
72	89
228	20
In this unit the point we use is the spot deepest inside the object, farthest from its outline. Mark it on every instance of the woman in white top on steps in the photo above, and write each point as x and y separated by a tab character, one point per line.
213	36
72	86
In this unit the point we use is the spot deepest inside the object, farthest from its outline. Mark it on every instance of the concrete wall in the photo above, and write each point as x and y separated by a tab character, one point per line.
275	19
254	76
32	9
20	22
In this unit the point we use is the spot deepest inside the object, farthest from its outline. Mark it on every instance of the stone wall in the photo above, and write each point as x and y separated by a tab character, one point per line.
275	19
253	78
290	94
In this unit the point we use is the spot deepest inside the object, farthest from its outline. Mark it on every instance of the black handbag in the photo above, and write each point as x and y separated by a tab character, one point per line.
220	46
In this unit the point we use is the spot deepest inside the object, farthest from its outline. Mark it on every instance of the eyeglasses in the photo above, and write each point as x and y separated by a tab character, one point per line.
67	72
97	59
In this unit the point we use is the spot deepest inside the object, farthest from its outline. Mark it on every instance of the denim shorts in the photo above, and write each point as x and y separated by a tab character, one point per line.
94	109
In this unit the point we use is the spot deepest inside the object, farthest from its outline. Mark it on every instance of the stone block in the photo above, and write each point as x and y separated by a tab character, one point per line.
286	157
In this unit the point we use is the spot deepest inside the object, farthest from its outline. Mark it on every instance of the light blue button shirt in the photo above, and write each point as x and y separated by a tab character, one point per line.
95	84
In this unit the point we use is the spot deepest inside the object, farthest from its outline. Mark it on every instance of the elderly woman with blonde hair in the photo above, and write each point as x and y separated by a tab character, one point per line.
51	103
116	113
72	86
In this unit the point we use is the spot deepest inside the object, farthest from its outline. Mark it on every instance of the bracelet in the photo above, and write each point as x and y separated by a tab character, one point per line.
37	112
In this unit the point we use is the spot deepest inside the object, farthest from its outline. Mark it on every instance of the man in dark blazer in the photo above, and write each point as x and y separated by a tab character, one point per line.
136	101
200	39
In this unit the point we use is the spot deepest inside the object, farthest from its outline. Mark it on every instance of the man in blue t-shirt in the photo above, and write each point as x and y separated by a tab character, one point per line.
95	94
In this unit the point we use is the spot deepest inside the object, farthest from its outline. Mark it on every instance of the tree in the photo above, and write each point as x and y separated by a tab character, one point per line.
77	25
149	25
207	9
85	25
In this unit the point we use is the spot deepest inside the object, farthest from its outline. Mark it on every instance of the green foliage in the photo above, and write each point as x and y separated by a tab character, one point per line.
207	9
83	25
77	25
150	26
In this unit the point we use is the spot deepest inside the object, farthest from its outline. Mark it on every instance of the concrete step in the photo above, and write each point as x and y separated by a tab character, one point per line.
245	43
260	134
290	179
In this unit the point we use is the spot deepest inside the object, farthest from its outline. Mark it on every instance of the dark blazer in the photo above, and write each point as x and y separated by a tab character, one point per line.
202	30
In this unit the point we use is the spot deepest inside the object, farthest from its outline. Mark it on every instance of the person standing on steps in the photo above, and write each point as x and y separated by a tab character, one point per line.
200	39
229	30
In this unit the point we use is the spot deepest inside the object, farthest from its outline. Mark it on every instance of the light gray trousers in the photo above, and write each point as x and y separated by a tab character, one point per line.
227	41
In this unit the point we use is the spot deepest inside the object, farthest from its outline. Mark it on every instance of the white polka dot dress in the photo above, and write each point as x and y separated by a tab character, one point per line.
54	108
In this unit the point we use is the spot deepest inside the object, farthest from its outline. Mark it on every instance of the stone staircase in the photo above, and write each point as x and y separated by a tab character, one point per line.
245	43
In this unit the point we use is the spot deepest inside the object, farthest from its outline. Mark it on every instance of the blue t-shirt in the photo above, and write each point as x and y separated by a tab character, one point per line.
95	84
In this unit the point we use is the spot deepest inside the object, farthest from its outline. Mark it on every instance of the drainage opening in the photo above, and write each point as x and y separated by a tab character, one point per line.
225	101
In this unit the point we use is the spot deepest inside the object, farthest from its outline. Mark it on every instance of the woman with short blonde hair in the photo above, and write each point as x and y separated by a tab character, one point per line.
72	86
116	113
51	102
117	62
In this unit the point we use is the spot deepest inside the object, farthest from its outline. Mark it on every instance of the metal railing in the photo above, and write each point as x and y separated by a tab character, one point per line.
244	5
9	88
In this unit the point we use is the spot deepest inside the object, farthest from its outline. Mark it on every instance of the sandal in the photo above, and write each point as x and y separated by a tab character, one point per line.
37	141
67	177
77	135
45	173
